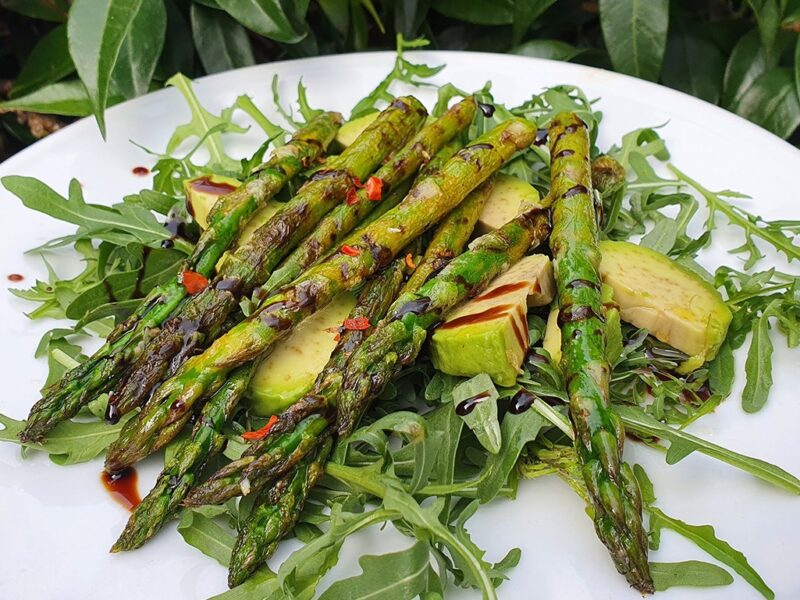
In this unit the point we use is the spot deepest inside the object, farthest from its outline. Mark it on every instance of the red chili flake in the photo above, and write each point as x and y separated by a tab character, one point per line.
352	196
193	282
357	182
374	188
410	261
350	250
356	323
260	434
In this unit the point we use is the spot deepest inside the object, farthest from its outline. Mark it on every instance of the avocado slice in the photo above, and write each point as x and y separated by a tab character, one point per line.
203	192
673	303
509	197
552	337
350	130
290	370
489	334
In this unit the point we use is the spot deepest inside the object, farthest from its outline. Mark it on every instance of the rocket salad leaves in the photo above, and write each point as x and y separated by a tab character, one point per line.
414	462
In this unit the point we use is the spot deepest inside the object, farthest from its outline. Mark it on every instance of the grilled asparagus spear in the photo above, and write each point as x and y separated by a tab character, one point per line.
599	433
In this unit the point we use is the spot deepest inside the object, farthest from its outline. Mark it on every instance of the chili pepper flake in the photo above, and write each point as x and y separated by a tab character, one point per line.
356	323
260	434
410	261
352	196
350	250
357	182
374	188
193	282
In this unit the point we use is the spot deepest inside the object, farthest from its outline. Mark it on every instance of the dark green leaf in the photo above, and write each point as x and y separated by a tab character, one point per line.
265	17
525	12
220	41
772	102
96	30
48	62
517	430
747	62
721	372
768	17
480	12
758	367
178	53
550	49
207	535
70	442
693	64
635	33
705	538
693	573
48	10
401	575
68	98
640	423
338	12
140	50
482	419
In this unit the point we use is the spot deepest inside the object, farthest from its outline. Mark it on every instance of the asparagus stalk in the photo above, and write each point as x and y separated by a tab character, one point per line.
373	302
426	203
341	220
202	316
450	237
271	520
599	433
63	399
183	471
397	342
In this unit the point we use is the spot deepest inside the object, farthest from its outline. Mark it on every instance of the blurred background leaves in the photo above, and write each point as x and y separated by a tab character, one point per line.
62	59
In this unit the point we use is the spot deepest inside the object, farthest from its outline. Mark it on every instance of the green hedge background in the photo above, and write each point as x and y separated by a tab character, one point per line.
63	59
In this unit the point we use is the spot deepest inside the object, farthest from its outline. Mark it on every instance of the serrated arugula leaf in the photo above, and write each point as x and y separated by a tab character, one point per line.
397	575
693	573
705	537
207	535
70	442
481	414
204	126
640	423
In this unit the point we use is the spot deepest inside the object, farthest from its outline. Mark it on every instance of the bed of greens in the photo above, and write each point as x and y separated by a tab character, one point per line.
399	317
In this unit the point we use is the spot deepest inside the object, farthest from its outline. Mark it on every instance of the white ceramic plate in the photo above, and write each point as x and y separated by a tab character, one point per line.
57	523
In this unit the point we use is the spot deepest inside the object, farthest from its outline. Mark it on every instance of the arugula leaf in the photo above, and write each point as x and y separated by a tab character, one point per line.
70	442
694	573
517	431
207	535
482	419
261	584
758	366
396	575
128	222
203	126
705	537
640	423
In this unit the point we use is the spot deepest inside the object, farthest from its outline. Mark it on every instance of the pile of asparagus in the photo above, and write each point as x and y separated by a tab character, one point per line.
183	358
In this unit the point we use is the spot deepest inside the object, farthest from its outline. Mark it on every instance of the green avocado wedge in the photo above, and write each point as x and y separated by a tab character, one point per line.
674	304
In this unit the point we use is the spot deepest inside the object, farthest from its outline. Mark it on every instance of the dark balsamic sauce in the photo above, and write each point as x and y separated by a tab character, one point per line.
15	277
521	402
571	314
208	186
140	171
541	137
465	407
414	307
504	289
583	283
486	109
564	153
122	487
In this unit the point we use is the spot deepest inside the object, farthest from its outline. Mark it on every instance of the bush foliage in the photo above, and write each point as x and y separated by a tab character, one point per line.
64	59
